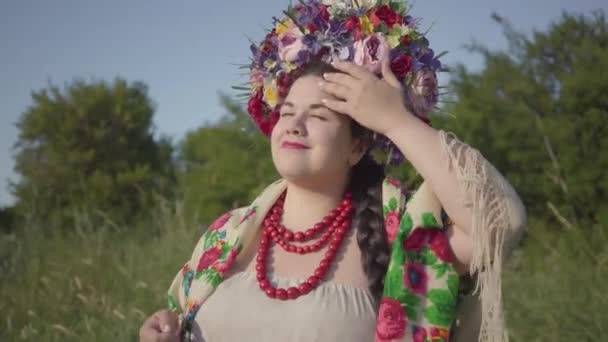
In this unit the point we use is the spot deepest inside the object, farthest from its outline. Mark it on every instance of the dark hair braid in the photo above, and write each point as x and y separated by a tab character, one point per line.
368	220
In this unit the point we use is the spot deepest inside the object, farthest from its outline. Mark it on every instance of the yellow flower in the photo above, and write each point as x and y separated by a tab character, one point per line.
366	25
283	26
271	94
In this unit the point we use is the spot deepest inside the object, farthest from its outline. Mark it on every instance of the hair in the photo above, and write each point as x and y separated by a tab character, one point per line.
366	186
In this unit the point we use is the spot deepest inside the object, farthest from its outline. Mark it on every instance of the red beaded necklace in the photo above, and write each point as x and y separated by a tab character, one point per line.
332	229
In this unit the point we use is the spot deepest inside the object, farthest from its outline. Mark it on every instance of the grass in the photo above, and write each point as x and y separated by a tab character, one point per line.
94	284
99	283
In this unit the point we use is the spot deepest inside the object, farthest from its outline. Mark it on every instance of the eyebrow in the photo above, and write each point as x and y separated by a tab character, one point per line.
312	106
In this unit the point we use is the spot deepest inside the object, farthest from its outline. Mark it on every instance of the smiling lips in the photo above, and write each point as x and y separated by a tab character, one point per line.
293	145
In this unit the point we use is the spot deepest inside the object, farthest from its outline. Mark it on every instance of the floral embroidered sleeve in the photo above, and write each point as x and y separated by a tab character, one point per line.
421	284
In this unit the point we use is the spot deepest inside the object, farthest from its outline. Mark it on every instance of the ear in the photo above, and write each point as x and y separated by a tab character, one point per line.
359	148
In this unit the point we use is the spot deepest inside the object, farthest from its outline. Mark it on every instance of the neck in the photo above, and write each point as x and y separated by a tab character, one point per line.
306	205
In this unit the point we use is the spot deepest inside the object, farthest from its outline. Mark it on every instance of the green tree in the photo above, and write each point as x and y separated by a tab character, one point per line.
224	165
89	146
539	112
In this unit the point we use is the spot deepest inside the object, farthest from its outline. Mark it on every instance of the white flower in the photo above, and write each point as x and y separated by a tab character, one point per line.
341	4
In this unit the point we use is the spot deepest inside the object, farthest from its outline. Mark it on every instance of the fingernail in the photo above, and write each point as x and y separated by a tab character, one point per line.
325	75
166	328
321	84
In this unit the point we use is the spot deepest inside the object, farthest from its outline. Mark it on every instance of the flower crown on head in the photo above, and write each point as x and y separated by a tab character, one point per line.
365	32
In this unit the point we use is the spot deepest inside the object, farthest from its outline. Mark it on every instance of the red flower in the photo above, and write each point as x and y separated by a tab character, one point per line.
394	182
324	13
220	222
436	239
417	239
385	14
439	244
255	106
222	267
406	40
391	320
419	334
439	334
391	225
352	24
416	278
311	27
208	258
401	66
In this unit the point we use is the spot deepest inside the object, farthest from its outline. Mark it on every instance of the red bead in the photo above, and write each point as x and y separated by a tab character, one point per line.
309	234
313	281
281	294
304	288
319	273
299	236
260	276
270	292
260	268
300	250
317	227
293	292
288	236
264	285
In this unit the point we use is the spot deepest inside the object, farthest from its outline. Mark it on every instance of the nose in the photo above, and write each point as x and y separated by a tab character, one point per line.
296	126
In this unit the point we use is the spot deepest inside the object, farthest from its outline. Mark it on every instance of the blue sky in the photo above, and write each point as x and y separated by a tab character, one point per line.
185	50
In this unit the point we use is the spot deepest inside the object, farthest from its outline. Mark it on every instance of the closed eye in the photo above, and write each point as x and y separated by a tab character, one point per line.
286	114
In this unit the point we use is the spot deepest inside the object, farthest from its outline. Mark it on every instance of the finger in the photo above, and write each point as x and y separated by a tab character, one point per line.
337	90
168	322
336	105
339	78
354	70
389	76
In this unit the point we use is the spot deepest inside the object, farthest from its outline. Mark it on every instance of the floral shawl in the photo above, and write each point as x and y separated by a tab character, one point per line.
421	291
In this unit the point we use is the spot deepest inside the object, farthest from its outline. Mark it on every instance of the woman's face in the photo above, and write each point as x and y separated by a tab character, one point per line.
311	143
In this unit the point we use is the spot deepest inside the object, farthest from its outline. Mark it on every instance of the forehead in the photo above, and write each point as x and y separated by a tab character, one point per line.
305	91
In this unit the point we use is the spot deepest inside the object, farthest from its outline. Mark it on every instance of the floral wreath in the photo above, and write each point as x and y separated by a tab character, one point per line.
365	32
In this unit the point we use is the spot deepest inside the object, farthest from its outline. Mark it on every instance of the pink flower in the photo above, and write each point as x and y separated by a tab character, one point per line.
416	278
225	265
220	222
290	43
208	258
391	225
256	78
371	52
391	320
423	93
419	334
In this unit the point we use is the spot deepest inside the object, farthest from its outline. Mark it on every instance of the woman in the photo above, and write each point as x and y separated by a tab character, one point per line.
335	250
